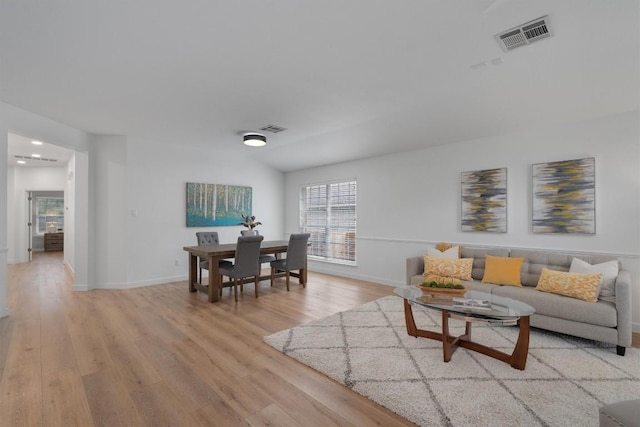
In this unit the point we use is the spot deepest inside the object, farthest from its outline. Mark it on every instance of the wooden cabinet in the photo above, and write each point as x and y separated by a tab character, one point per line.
53	242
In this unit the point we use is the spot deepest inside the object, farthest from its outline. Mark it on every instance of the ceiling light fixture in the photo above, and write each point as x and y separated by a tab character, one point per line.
36	142
35	155
21	162
254	139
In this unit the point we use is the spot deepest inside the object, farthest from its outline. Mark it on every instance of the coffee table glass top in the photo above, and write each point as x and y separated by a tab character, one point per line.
473	303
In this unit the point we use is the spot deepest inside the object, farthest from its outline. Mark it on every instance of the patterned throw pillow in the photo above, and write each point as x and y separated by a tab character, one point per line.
502	270
457	268
575	285
609	272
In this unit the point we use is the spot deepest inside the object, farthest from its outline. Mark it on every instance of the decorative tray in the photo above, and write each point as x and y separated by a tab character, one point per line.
427	290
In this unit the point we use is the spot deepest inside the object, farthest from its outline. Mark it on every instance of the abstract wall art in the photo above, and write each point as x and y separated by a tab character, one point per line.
217	204
564	196
484	200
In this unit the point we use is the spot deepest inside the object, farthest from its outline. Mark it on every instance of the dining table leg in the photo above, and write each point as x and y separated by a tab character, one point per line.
193	271
214	280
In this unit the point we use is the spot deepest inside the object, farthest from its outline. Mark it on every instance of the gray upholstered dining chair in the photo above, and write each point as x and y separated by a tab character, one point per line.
207	238
246	263
263	258
296	258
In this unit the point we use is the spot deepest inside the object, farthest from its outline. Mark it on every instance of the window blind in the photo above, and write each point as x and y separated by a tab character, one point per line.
328	213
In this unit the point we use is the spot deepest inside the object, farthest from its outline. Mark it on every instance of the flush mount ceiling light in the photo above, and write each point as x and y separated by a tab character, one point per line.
254	139
36	142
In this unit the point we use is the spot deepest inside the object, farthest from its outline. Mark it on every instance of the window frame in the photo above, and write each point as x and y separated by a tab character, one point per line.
37	215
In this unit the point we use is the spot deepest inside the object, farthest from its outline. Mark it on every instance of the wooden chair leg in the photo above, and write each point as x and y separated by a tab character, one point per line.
286	274
273	275
302	282
257	279
235	289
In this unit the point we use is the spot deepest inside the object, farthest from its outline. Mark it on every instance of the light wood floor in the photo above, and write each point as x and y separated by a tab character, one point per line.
160	355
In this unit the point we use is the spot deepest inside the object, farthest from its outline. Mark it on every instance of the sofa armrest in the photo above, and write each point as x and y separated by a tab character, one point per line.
623	306
415	266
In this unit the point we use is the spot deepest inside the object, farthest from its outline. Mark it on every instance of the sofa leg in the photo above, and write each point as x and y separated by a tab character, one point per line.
620	350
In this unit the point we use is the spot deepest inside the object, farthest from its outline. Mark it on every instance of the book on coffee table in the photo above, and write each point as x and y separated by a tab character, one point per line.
471	304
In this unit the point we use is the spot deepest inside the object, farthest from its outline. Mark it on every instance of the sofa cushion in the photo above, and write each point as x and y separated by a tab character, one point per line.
479	255
609	272
535	261
502	270
458	268
600	313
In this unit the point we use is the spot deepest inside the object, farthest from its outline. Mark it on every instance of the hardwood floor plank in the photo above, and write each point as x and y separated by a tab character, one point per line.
21	396
298	405
159	406
109	402
181	379
272	415
219	414
64	400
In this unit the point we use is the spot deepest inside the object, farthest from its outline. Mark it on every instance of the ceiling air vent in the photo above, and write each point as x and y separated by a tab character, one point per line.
524	34
40	159
273	128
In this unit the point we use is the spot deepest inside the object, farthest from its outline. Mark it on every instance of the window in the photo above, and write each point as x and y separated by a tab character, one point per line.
49	214
328	213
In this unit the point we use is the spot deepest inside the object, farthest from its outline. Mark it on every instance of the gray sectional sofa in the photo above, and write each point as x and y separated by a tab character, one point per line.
604	321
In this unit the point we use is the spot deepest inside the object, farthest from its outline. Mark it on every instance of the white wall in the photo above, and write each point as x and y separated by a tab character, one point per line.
23	180
410	200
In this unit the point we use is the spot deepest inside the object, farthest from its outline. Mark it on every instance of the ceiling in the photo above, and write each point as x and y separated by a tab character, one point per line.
22	149
349	79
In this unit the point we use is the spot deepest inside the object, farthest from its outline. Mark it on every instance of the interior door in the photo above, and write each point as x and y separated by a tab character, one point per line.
29	225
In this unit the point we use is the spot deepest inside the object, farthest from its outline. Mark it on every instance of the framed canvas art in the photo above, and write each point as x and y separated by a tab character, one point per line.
564	197
484	200
217	204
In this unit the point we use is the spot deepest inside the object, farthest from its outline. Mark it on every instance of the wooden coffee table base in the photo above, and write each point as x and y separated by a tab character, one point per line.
517	359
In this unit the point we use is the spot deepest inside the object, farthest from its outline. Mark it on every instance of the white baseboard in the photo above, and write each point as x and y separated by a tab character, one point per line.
80	287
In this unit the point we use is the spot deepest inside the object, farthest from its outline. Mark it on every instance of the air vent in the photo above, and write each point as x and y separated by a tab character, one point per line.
524	34
273	128
40	159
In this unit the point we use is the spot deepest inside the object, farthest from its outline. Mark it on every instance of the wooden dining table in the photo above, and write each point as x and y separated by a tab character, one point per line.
216	253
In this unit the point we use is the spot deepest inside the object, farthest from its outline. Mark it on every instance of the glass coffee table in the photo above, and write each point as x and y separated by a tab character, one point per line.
472	307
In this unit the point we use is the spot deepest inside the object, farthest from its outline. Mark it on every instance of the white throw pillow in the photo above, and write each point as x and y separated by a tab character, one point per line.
451	253
609	272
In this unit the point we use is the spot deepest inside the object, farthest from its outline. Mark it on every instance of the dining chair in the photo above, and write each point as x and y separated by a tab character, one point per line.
296	258
263	258
246	263
207	238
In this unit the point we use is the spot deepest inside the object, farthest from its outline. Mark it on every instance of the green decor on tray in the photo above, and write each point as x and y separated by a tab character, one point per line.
441	285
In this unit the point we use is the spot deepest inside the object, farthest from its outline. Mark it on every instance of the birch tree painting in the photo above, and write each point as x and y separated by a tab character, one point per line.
217	204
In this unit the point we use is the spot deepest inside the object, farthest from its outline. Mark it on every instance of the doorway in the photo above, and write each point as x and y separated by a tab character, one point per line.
45	221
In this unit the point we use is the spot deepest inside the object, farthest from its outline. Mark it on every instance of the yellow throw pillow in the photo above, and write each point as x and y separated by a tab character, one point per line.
502	270
457	268
442	280
575	285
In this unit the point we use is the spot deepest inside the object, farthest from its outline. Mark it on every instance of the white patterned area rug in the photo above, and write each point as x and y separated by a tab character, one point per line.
368	350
